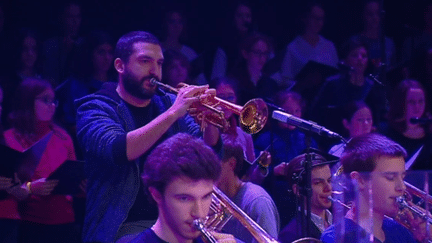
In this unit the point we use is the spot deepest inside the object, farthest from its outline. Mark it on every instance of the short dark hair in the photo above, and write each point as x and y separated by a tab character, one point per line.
251	39
350	46
124	47
351	108
180	155
362	152
170	56
233	149
18	45
83	60
294	171
283	95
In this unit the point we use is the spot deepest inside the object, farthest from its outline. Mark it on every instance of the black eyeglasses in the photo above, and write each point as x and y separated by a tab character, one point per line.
48	101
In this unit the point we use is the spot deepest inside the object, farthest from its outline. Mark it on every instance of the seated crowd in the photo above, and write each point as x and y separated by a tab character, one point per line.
149	164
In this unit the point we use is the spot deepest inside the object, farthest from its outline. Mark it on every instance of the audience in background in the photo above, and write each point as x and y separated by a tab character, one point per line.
421	38
226	89
352	85
227	54
357	120
409	102
11	190
175	69
77	66
309	45
93	66
58	51
44	217
175	34
371	35
25	64
255	50
286	142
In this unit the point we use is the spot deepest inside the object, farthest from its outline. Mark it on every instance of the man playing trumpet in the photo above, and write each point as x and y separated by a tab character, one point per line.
376	165
119	126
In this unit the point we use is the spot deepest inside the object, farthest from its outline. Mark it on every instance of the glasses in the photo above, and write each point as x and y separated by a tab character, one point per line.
48	101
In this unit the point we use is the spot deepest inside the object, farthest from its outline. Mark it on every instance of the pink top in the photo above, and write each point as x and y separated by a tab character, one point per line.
52	209
9	208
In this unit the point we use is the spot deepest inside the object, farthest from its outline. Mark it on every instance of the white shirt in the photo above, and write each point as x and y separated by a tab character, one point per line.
299	52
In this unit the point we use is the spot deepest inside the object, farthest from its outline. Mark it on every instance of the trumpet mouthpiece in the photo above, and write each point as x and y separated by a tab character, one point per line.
153	81
198	224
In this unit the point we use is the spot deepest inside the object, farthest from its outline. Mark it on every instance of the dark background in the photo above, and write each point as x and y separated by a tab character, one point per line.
207	21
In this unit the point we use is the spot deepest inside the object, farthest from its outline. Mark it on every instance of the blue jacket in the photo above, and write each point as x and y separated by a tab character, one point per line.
103	120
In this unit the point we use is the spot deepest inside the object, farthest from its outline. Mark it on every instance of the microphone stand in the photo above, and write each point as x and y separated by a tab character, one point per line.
383	65
307	190
308	127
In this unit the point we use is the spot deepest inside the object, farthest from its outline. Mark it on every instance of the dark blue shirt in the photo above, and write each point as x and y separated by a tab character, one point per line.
394	233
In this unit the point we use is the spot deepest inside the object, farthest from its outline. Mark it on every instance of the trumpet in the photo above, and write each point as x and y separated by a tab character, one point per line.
252	116
221	211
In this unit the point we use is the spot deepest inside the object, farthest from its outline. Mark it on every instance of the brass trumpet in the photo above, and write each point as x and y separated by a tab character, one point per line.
252	116
221	210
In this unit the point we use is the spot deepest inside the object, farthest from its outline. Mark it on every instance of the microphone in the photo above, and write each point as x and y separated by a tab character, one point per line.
305	125
419	120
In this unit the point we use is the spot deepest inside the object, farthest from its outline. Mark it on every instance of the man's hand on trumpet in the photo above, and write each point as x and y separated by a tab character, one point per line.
417	225
188	95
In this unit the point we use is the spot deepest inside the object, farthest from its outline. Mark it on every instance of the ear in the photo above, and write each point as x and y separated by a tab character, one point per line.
345	123
244	54
361	182
156	195
119	65
296	190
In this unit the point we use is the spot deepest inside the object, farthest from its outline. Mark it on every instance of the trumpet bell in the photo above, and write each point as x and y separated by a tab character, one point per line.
253	116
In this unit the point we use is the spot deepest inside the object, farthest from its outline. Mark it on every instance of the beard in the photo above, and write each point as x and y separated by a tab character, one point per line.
135	87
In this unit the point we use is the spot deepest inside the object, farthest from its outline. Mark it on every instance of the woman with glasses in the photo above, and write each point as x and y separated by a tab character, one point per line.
255	51
44	217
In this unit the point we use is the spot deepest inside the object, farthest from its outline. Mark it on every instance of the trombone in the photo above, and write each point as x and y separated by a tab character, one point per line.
252	116
221	210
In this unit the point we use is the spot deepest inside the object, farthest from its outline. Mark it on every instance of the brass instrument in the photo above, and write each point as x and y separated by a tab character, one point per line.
306	239
402	202
221	210
253	115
